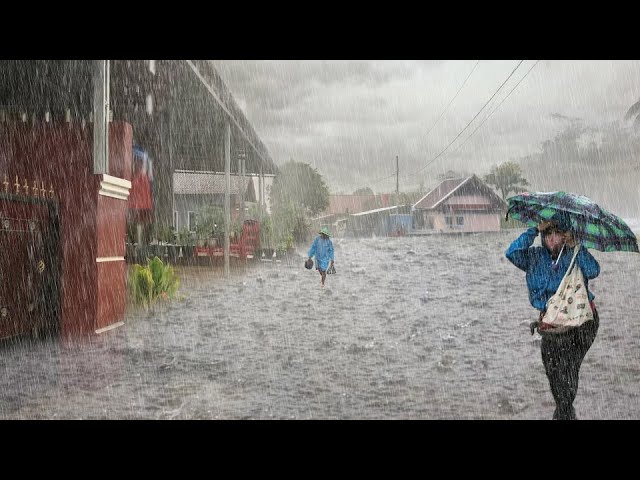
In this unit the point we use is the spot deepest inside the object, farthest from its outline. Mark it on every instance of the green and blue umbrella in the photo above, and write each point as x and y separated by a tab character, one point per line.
594	226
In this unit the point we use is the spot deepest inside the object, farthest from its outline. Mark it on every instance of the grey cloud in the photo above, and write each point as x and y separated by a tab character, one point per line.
350	118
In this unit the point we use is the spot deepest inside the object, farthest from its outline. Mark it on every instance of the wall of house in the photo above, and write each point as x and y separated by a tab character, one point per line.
92	221
487	222
183	204
473	222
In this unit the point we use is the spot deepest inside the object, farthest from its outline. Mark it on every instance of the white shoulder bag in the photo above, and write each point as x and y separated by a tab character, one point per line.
569	307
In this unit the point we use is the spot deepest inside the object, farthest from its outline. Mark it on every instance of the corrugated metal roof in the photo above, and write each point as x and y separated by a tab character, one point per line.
377	210
206	183
442	191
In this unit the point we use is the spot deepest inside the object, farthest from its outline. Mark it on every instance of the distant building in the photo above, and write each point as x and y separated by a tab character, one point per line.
194	190
377	222
458	205
341	207
268	183
349	204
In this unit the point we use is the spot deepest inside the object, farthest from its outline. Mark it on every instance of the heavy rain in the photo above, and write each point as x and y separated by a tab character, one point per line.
156	215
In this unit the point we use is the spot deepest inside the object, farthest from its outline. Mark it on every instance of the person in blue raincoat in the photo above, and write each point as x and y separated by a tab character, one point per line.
322	248
545	266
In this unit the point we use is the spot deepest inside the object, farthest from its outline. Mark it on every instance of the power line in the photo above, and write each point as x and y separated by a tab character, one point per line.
467	126
496	108
437	120
381	179
470	122
454	97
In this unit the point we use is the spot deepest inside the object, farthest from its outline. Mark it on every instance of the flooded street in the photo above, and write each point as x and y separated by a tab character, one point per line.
432	327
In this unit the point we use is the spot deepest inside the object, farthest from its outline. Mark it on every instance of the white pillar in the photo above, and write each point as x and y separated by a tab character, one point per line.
101	116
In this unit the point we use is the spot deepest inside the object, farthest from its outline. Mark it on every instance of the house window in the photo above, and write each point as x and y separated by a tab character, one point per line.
193	221
458	219
175	220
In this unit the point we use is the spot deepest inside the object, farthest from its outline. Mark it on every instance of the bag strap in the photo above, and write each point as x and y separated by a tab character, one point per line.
573	261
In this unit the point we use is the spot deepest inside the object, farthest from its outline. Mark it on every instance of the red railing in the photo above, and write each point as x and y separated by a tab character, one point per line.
245	248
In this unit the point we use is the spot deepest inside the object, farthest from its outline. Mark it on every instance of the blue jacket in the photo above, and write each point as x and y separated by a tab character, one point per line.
542	280
323	250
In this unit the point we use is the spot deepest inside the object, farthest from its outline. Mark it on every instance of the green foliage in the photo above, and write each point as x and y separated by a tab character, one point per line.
297	184
151	282
140	285
298	192
185	237
285	244
507	177
166	234
210	222
266	225
289	221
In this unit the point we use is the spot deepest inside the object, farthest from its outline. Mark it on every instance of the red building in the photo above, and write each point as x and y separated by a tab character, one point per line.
67	130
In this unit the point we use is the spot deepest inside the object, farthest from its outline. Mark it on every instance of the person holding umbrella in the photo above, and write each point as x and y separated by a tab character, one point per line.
322	248
562	353
566	222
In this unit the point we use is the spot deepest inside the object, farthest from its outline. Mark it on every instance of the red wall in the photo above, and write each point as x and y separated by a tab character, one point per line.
93	295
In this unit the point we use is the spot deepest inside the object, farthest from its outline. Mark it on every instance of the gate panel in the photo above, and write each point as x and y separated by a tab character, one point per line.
29	266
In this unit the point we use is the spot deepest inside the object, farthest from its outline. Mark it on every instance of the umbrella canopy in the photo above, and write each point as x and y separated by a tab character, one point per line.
594	226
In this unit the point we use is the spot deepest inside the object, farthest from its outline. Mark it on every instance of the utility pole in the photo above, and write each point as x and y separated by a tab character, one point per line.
397	181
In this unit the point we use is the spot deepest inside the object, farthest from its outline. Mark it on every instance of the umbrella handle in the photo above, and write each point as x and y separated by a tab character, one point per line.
506	217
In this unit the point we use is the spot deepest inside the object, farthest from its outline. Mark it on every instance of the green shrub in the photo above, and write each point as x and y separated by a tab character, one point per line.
152	281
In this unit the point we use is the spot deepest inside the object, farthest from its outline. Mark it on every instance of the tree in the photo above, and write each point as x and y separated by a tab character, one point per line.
297	184
364	191
507	177
298	191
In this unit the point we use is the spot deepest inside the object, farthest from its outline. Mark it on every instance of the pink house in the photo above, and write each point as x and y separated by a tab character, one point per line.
459	205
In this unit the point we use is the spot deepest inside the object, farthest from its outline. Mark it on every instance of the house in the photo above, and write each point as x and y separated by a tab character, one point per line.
343	206
194	190
265	185
378	222
458	205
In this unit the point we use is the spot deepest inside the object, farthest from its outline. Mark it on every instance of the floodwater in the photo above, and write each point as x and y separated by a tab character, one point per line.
432	327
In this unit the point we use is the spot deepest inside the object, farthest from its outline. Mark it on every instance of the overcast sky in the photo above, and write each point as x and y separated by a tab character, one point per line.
350	119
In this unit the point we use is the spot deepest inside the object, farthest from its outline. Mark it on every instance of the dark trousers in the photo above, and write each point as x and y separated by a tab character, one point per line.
562	355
